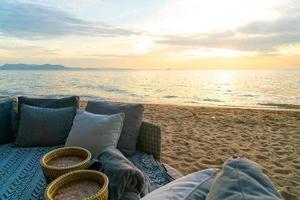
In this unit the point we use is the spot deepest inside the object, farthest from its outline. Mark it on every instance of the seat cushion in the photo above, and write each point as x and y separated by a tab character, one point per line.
6	135
95	132
44	126
72	101
21	176
242	179
132	122
190	187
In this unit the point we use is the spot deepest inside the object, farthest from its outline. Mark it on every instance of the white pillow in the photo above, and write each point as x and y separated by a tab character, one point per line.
192	186
95	132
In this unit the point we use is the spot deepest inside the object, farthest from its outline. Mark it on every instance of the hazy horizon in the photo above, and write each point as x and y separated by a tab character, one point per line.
192	34
142	68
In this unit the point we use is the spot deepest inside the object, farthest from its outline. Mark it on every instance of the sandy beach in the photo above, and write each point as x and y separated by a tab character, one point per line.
196	138
201	137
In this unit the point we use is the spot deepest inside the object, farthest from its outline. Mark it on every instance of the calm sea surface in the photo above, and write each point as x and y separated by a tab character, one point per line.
199	87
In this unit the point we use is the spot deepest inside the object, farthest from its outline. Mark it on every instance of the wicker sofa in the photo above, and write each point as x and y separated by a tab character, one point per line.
149	140
21	175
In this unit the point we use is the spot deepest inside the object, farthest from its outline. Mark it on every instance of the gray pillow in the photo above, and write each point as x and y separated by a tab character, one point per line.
132	122
96	133
44	126
242	179
189	187
72	101
6	135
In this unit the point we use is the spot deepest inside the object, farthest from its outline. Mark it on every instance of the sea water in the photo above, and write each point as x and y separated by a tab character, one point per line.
255	88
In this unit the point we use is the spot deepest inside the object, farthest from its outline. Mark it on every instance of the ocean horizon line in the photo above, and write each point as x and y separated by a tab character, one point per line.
60	67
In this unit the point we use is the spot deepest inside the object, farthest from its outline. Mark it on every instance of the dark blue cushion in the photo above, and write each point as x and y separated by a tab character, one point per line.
72	101
131	125
6	135
44	126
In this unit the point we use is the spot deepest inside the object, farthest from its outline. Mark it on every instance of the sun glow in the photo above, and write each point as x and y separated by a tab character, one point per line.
143	45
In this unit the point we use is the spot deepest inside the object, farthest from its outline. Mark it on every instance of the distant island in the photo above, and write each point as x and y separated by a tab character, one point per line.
48	67
31	67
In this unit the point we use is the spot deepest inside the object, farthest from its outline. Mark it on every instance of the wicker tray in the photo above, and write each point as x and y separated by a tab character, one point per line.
78	185
64	160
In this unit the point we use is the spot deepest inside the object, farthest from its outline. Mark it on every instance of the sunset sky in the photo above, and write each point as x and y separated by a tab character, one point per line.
152	33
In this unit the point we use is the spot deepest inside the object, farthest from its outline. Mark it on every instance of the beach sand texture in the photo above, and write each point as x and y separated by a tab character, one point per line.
196	138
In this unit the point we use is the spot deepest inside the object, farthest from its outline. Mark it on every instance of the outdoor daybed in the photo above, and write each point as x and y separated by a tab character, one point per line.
138	175
21	176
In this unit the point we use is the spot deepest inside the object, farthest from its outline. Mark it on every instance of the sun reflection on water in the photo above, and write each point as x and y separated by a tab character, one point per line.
205	87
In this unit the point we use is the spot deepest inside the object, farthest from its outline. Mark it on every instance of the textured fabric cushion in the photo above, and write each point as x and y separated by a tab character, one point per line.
155	171
44	126
132	122
72	101
190	187
242	179
6	135
95	132
15	119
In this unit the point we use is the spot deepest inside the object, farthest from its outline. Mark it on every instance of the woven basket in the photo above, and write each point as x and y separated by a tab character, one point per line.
52	172
64	186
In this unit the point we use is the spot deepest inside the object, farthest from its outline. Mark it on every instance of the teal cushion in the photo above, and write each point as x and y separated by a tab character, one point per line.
132	122
72	101
242	179
6	135
44	126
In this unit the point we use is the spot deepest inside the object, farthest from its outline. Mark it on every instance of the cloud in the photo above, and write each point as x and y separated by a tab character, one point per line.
37	21
260	36
108	56
232	40
287	23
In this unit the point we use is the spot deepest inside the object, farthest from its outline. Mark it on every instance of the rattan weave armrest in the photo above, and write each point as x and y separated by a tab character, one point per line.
149	140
